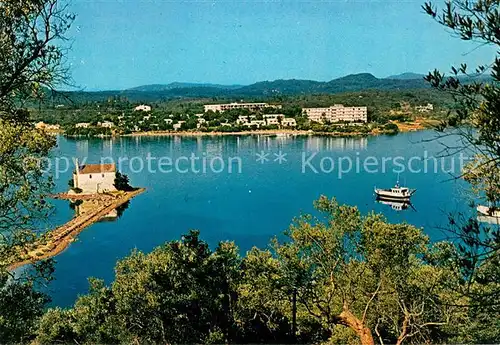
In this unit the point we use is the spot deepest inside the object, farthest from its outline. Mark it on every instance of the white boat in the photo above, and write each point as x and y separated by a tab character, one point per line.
395	193
488	211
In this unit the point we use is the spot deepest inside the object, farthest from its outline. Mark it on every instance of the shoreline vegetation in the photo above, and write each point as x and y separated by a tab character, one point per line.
54	242
402	127
387	112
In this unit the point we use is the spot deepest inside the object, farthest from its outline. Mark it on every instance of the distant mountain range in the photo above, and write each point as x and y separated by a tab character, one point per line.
177	85
355	82
263	89
406	76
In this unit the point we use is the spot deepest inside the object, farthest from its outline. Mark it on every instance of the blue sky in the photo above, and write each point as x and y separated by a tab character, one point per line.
122	44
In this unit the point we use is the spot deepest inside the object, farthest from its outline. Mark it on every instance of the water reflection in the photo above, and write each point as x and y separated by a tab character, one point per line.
216	145
396	205
83	206
319	143
489	220
82	147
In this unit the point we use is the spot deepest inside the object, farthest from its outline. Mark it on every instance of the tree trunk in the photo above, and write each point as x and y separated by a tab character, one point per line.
348	319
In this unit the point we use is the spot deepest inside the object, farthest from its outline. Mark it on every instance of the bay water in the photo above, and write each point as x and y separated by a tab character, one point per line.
246	189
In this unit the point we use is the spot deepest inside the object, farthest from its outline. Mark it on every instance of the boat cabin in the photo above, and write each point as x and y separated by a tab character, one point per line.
399	190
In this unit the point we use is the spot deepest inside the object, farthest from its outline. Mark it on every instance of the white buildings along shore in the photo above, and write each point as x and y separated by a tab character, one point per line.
229	106
334	113
337	113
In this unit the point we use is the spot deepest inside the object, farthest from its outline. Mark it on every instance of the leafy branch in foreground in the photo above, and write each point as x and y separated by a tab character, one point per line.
30	54
30	60
476	118
477	103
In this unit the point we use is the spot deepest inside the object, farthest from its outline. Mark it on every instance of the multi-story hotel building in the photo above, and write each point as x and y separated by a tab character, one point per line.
337	113
229	106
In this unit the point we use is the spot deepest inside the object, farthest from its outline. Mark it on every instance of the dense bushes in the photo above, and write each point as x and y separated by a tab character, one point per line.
347	279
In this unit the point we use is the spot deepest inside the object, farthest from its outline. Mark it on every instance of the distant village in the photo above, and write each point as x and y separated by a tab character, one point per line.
228	117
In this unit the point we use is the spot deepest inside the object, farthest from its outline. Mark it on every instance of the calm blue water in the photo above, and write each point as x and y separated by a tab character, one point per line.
248	207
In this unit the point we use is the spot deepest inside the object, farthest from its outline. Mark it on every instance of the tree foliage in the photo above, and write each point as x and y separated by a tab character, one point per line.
477	104
30	57
365	274
341	278
21	306
29	61
476	119
182	292
122	182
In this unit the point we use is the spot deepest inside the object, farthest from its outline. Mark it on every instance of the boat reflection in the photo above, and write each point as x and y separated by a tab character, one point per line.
488	215
489	220
396	205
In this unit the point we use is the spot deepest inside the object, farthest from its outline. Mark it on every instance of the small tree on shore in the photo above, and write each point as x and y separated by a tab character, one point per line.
122	182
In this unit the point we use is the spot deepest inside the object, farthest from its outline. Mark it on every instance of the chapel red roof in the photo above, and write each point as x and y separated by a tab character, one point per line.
97	168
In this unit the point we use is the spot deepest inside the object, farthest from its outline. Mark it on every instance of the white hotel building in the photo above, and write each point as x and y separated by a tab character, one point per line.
337	113
229	106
